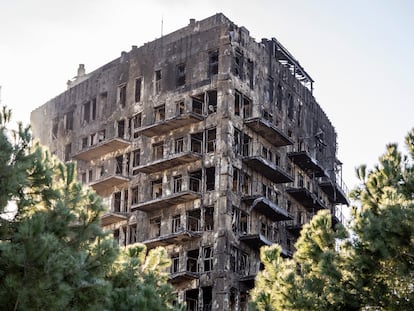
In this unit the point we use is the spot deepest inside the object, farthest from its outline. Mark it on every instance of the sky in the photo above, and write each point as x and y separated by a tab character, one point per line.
359	52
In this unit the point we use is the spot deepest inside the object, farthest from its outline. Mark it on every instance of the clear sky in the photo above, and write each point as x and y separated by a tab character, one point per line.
359	52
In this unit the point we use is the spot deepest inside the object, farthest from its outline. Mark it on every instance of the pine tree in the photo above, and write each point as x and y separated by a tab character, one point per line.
370	266
53	252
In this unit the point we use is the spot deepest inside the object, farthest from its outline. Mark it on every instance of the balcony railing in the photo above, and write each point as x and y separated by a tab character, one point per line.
270	132
109	176
306	198
110	218
184	269
260	234
101	148
307	163
177	191
337	192
261	163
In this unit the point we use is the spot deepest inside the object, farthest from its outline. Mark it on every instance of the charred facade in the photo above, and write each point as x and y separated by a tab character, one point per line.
203	141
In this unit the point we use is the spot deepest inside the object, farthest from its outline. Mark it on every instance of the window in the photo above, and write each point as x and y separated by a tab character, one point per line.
93	112
179	108
155	227
196	142
159	113
86	112
138	83
119	163
242	104
279	97
212	101
134	193
125	205
237	141
178	184
249	73
207	298
208	258
192	260
209	218
122	95
195	179
68	151
269	90
84	142
239	261
247	145
210	178
197	103
156	188
246	184
117	201
191	300
290	106
136	160
90	175
103	98
236	180
93	139
83	178
69	121
213	61
133	232
175	263
237	103
101	135
211	140
55	127
158	151
121	128
238	64
301	182
239	222
157	81
180	75
176	223
179	145
193	220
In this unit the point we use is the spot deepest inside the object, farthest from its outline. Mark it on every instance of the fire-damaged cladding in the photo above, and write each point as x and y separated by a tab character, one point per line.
203	141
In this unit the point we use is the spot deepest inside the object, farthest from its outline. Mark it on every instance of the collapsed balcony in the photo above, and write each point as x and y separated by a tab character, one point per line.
270	132
307	163
185	150
183	189
263	161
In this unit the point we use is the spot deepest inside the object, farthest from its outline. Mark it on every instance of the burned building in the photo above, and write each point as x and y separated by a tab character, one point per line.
203	141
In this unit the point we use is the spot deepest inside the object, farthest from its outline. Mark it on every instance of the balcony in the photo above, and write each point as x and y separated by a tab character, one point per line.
260	234
164	126
184	189
294	227
336	193
259	162
181	274
110	176
182	154
267	130
306	198
101	148
110	218
255	240
307	163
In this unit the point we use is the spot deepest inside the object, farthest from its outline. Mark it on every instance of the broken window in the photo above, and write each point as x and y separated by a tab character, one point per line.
242	104
232	299
83	178
136	160
246	184
236	180
133	232
180	75
125	205
138	83
237	141
119	163
157	81
246	145
247	107
192	260
122	95
301	182
117	201
69	121
239	221
101	135
93	139
134	195
155	227
210	178
158	151
68	151
195	180
213	62
191	299
86	112
209	218
197	103
178	184
159	113
193	220
127	157
116	235
103	98
84	142
94	107
212	101
179	108
156	188
279	97
290	106
175	263
90	175
211	140
269	90
179	145
249	73
196	142
237	102
121	128
208	258
238	64
55	127
239	261
176	223
207	298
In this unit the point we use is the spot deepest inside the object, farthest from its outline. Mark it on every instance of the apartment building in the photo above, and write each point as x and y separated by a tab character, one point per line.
205	142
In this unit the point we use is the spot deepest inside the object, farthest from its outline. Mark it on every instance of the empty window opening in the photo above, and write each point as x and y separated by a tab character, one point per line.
192	260
179	108
210	178
178	184
103	98
207	298
101	135
212	101
158	151
125	201
122	95
191	300
121	128
197	103
209	218
269	90
90	175
301	181
213	62
179	145
208	258
232	299
193	220
247	107
237	102
246	184
239	221
119	162
279	97
55	127
136	160
196	142
83	178
236	180
133	232
127	164
290	106
94	107
93	139
180	75
117	201
211	140
159	113
116	235
84	142
157	81
247	145
175	263
176	223
238	64
69	121
155	227
68	151
87	112
134	195
237	140
138	83
249	73
156	188
195	181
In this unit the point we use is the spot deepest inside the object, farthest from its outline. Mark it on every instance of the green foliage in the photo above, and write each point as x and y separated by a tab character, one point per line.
372	267
53	253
